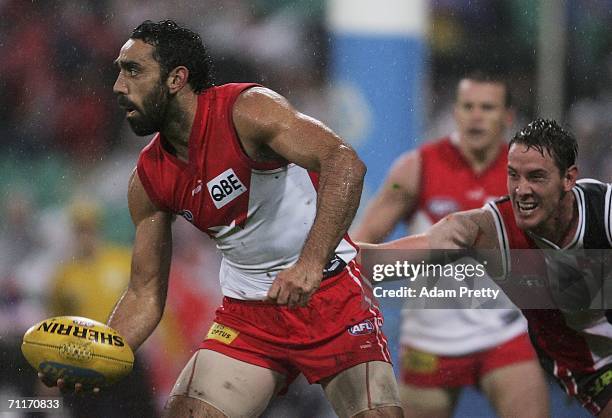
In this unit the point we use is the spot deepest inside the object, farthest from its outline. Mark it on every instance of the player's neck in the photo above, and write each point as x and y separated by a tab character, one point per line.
479	159
177	129
562	228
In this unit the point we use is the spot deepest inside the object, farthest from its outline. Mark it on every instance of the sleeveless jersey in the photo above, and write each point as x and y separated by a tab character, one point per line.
259	213
449	184
569	342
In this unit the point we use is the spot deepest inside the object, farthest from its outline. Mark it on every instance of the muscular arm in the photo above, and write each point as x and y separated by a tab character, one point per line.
270	128
470	229
141	306
395	199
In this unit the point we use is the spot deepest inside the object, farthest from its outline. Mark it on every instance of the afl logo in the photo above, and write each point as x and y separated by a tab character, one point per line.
362	328
187	215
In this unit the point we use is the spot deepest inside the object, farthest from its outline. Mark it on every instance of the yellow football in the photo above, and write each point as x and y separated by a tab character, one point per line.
77	349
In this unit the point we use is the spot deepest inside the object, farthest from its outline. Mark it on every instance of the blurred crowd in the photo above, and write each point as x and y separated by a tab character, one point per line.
67	154
56	88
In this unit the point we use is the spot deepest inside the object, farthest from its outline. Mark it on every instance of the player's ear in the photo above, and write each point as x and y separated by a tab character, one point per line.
177	79
570	177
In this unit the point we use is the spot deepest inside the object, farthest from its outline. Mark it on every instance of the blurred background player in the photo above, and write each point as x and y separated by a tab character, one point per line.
87	284
444	350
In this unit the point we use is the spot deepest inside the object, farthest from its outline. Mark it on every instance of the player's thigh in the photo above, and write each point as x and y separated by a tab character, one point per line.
214	383
428	402
369	386
517	390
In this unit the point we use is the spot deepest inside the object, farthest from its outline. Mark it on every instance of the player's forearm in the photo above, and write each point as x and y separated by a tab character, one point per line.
137	314
413	248
340	184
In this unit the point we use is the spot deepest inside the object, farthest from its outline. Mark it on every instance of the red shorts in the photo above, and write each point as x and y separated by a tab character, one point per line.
429	370
340	328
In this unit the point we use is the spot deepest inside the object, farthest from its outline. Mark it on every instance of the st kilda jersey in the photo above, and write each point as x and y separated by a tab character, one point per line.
574	337
259	213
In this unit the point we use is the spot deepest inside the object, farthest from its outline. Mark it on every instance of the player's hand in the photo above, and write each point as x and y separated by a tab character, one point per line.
63	386
295	286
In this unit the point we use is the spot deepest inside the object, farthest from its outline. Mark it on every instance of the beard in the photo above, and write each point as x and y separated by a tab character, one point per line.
154	108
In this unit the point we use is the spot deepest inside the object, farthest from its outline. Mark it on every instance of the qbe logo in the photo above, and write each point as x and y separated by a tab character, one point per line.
361	328
225	187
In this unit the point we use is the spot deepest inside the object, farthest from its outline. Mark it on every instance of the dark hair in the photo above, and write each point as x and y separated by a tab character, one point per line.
175	46
484	77
546	134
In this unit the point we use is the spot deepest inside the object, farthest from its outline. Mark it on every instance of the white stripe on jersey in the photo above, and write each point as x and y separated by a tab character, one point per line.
502	237
579	238
608	213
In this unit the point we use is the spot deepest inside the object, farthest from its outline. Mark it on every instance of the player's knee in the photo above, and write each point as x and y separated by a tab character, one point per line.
183	406
367	388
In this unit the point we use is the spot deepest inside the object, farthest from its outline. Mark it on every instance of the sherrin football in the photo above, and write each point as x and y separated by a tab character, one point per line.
77	349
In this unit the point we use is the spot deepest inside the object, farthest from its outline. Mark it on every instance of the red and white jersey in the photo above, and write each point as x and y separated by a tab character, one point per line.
259	213
449	184
569	342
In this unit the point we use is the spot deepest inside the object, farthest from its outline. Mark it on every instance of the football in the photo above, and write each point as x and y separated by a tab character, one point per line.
77	349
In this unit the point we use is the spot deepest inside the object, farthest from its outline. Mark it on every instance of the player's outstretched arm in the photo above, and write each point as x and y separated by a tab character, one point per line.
270	128
141	306
467	230
394	200
470	229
